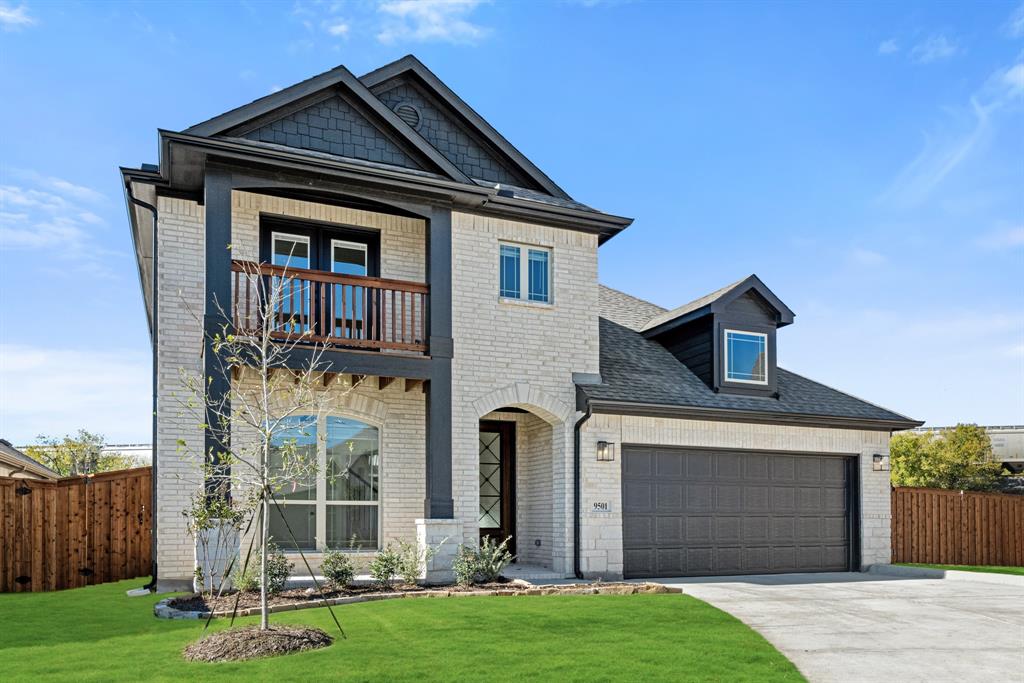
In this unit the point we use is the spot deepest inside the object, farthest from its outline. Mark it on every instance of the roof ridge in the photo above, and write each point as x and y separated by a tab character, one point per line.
693	304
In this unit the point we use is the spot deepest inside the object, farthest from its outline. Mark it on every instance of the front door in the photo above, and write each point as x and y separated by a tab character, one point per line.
497	481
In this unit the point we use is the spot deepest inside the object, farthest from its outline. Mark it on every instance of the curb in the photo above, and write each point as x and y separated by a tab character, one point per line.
946	574
163	610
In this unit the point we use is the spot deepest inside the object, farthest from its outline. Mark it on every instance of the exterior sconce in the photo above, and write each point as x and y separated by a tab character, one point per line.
605	451
880	463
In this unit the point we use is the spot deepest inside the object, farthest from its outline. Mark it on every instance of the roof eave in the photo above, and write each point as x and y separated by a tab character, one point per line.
750	416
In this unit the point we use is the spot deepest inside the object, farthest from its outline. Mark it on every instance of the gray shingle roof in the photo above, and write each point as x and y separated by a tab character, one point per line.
692	306
635	369
625	309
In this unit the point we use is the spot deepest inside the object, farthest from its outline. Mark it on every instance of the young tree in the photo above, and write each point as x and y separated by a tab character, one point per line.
263	444
959	458
78	455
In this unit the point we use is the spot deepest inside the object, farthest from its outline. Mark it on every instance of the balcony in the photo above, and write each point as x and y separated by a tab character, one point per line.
338	311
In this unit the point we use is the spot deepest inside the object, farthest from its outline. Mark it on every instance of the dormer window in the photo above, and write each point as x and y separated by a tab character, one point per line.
746	357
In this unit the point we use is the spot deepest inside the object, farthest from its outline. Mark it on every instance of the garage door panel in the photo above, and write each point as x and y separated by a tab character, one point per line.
694	512
668	497
728	466
667	465
669	531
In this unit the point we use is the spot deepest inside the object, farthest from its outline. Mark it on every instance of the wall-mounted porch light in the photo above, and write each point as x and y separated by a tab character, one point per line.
880	463
605	451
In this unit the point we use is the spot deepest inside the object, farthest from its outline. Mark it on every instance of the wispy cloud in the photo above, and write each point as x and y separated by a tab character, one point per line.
866	257
1014	26
15	18
1002	238
944	150
934	48
57	390
888	47
337	28
429	21
42	212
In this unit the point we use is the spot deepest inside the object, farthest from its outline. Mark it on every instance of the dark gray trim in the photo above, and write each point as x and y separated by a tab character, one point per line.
363	363
439	503
217	314
409	64
154	335
757	417
338	76
718	305
318	171
577	487
730	449
853	488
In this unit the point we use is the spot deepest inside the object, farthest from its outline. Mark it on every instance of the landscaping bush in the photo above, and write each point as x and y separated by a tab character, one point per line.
483	564
959	459
386	566
278	571
337	568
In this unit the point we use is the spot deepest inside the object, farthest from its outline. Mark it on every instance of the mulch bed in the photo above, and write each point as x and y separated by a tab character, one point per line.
250	642
210	603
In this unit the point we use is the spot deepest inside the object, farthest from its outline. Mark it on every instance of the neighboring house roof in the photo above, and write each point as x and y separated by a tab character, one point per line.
640	372
16	460
720	298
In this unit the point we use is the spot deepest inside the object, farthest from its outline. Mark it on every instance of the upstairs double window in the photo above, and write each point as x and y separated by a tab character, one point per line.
524	273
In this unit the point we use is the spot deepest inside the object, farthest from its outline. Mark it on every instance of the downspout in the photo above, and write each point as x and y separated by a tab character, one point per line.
154	331
577	483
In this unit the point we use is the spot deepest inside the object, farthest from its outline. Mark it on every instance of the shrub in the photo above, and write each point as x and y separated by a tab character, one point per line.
483	564
337	568
464	565
386	566
278	571
959	459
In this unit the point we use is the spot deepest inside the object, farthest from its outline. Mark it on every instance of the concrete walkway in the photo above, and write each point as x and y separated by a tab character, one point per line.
869	627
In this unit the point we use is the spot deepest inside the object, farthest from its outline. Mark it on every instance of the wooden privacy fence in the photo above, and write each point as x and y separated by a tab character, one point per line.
76	531
935	526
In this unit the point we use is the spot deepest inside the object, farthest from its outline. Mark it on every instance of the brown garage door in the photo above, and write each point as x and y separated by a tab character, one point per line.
714	512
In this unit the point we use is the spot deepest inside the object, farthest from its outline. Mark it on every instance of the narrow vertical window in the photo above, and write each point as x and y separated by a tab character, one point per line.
509	277
538	272
291	251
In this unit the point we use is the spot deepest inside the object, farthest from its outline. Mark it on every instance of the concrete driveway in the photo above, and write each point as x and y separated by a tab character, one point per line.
863	627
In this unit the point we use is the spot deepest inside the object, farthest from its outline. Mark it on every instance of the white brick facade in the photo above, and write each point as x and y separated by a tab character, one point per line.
400	415
520	355
601	533
506	354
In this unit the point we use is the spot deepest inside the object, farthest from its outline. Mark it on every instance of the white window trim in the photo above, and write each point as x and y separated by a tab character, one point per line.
358	246
293	238
725	357
321	503
524	273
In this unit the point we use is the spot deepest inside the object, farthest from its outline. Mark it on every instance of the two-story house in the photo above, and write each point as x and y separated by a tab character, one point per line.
499	389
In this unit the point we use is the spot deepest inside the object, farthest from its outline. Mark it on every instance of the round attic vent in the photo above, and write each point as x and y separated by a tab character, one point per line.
408	113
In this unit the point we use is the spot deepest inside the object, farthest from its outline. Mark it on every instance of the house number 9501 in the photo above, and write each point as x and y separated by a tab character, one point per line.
601	506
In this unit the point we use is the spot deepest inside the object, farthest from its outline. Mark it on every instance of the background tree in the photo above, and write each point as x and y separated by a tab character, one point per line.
263	423
959	458
81	454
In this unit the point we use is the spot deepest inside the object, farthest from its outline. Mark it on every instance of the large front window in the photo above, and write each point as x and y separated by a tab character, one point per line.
339	508
746	357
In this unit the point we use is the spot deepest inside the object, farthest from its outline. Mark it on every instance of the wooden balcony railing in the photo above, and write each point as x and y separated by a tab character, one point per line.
335	310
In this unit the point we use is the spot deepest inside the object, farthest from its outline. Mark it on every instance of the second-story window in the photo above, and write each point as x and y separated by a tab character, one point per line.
525	273
746	357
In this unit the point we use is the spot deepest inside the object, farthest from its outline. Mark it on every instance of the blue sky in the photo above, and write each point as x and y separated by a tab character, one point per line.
865	160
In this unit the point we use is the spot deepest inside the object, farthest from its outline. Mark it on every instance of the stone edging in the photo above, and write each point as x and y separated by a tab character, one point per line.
946	574
163	610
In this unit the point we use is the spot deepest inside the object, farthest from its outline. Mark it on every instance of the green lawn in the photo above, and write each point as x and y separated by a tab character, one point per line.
98	633
1019	571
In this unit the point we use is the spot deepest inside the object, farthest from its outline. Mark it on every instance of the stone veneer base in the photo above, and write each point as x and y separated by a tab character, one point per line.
163	610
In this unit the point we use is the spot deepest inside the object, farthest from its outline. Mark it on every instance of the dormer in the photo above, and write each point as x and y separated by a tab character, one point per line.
727	338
